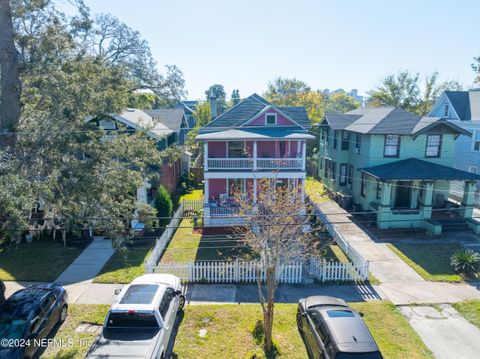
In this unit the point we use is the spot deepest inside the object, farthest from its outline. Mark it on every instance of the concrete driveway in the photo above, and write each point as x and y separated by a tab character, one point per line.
445	332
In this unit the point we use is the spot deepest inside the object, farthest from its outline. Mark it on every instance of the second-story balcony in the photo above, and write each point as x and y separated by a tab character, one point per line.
250	163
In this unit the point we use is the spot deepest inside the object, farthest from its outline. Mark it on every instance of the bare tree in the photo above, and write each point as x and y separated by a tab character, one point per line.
10	85
277	233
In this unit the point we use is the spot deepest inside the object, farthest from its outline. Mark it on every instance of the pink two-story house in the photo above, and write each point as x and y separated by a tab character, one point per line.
251	141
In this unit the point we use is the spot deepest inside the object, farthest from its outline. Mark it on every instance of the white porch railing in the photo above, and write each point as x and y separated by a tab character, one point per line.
279	163
248	163
230	163
224	211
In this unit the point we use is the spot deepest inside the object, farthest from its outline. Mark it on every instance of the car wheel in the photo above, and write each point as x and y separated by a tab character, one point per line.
63	314
181	302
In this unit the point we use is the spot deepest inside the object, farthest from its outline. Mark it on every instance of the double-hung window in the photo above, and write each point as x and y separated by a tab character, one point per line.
345	140
392	146
476	141
358	142
335	140
350	174
343	174
363	185
434	143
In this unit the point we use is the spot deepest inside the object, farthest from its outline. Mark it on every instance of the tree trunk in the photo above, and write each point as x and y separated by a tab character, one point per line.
10	85
271	285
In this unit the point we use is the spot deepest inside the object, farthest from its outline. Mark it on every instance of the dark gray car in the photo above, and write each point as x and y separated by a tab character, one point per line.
332	330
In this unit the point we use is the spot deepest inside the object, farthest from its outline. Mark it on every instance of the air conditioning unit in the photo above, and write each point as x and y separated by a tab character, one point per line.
357	150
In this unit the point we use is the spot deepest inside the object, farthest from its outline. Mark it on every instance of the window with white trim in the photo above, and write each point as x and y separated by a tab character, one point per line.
271	119
343	174
446	110
434	143
392	146
472	169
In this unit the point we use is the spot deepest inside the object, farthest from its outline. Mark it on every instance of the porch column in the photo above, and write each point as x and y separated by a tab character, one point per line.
304	154
255	156
206	195
383	215
427	199
468	199
205	156
254	190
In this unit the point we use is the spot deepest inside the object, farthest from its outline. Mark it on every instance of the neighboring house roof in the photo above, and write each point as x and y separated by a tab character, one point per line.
140	120
465	103
415	169
386	120
248	108
170	117
251	133
188	105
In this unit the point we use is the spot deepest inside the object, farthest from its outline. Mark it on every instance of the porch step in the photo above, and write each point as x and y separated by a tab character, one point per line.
455	225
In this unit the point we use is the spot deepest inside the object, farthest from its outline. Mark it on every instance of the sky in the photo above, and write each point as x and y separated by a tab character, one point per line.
328	44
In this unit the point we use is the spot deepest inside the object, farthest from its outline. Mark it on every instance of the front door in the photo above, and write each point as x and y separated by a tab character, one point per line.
403	194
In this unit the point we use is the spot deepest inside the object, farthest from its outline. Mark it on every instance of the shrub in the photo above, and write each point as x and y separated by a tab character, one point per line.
465	261
163	204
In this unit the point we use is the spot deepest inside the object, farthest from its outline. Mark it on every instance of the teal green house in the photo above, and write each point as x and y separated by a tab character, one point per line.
396	167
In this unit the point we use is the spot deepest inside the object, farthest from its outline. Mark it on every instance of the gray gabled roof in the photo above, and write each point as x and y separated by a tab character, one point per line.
415	169
248	108
465	103
170	117
386	120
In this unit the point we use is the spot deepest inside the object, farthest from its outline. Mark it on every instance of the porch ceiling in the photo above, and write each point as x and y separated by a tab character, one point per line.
255	134
415	169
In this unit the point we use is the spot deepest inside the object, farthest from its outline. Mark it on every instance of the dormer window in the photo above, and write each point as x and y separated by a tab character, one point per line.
446	110
271	119
107	124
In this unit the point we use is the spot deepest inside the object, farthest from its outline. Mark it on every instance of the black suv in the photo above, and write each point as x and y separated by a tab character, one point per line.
28	316
331	330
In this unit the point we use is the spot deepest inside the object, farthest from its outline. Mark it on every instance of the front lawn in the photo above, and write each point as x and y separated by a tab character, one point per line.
315	190
431	261
470	309
196	194
81	340
127	263
39	261
229	331
188	245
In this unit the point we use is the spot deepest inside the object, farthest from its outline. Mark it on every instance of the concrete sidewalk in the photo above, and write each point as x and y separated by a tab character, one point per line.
88	264
445	332
399	282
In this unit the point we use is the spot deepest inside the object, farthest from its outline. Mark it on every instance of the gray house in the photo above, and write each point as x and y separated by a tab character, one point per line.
463	109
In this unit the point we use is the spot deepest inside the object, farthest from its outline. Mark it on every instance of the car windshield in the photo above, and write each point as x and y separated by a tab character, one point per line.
12	328
132	320
371	355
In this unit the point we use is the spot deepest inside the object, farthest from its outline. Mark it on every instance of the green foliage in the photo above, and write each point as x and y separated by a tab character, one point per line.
143	100
202	117
340	102
476	69
465	261
403	91
163	204
235	97
285	92
218	92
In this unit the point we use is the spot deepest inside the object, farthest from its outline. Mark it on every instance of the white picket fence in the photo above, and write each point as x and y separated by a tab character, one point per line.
164	239
337	271
228	271
192	205
352	254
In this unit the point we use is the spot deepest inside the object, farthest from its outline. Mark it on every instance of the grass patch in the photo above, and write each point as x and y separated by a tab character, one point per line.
196	194
188	246
315	190
39	261
234	331
127	263
470	309
431	261
77	314
391	331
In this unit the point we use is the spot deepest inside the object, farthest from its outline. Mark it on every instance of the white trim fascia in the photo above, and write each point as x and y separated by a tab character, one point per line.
222	175
264	111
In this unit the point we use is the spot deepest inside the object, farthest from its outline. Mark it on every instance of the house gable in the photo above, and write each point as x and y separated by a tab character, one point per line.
280	118
440	109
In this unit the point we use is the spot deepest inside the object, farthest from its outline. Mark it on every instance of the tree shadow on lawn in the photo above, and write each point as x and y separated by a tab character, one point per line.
222	247
39	261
